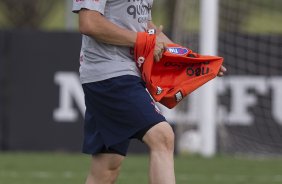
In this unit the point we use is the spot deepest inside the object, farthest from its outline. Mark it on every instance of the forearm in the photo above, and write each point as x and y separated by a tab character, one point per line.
93	24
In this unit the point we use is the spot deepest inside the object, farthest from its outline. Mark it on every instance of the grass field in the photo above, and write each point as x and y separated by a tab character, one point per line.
63	168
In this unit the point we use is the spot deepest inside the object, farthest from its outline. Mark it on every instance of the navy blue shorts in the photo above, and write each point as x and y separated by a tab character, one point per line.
117	110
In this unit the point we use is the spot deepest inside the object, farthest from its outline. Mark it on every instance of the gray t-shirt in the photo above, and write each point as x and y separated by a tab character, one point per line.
100	61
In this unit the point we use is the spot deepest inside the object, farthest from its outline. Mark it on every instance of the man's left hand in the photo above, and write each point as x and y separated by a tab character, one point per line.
221	72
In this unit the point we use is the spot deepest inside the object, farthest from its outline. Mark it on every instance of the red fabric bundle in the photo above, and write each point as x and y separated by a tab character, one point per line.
177	74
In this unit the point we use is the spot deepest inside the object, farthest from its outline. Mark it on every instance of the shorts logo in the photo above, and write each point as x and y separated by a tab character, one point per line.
177	50
178	96
140	61
156	108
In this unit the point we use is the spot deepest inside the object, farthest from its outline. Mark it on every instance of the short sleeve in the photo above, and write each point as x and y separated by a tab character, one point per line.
98	5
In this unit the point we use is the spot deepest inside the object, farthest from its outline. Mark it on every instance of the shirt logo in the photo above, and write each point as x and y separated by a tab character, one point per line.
178	50
139	10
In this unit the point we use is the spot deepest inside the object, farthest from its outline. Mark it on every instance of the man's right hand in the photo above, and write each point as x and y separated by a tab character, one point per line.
160	45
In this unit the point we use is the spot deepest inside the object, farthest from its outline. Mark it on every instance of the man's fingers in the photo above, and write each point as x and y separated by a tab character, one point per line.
158	54
160	45
159	50
223	69
156	57
220	74
163	46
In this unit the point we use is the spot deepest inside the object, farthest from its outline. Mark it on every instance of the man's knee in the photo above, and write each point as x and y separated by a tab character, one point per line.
105	168
160	137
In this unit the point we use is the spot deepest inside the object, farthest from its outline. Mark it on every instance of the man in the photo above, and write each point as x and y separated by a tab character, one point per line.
118	108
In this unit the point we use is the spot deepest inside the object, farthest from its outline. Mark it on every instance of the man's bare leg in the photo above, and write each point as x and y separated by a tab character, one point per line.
104	168
160	139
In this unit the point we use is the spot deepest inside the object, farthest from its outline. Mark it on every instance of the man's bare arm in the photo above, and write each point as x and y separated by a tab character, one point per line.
162	36
93	24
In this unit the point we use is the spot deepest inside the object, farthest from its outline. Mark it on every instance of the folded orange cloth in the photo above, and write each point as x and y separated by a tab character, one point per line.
179	72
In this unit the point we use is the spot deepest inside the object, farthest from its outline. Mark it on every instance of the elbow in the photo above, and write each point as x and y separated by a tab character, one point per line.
86	28
91	30
89	23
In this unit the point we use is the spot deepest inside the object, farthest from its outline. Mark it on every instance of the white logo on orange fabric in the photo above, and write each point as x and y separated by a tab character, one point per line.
159	90
178	96
140	61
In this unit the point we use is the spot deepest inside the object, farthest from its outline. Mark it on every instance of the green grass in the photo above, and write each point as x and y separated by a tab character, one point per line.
61	168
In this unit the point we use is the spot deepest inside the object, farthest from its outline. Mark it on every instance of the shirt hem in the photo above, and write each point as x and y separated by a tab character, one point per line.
105	76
